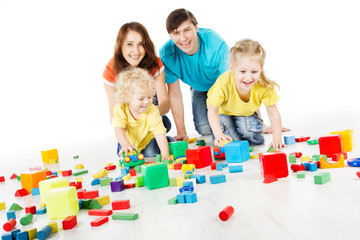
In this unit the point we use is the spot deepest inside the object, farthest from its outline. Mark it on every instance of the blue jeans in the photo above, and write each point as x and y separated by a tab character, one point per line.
199	108
151	149
243	128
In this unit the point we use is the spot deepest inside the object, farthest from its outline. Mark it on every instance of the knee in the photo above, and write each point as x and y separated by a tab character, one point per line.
203	129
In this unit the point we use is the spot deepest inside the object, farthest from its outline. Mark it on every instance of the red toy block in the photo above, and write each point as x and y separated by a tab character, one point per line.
317	163
301	139
53	176
297	154
120	204
297	167
226	213
132	172
100	212
200	156
110	167
78	185
91	194
274	163
331	144
218	154
21	192
336	156
358	174
48	173
13	176
177	166
213	166
99	221
269	179
2	179
9	225
80	193
69	222
66	173
129	185
31	209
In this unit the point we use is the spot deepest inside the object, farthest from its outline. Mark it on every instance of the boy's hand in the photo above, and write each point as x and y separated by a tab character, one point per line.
221	140
126	149
277	144
165	157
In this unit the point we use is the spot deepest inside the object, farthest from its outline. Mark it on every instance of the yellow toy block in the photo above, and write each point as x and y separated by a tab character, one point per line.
54	226
2	206
109	164
126	177
31	180
62	202
186	167
79	166
180	159
42	205
50	156
32	233
46	185
254	156
338	164
305	158
346	139
78	179
179	181
191	140
170	166
103	200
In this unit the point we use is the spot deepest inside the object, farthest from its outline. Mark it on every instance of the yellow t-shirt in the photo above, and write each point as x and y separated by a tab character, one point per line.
138	132
224	95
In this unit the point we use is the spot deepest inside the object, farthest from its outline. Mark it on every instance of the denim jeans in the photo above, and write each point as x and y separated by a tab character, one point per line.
199	108
243	128
151	149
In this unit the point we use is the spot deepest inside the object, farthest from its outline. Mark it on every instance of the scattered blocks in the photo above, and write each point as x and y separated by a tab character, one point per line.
215	179
237	151
62	202
200	156
50	156
274	163
322	178
289	140
155	175
69	222
125	216
331	144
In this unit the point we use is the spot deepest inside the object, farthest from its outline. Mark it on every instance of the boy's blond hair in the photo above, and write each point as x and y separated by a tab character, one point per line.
132	77
252	48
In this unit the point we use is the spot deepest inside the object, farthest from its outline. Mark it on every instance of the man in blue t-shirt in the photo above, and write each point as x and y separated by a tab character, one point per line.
196	56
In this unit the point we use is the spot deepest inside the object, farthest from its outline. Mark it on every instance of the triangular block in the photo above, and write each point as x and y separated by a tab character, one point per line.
15	207
269	179
21	192
13	176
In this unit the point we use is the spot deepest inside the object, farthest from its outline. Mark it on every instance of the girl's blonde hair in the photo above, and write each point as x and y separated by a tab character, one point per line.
253	48
133	77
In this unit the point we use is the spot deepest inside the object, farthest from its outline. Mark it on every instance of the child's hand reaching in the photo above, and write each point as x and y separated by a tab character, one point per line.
165	157
277	144
221	140
126	149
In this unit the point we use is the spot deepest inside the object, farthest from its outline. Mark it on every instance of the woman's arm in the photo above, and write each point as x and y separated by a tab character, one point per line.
162	94
275	120
110	93
214	120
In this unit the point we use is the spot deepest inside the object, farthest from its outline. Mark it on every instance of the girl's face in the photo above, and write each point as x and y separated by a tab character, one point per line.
139	100
247	70
133	48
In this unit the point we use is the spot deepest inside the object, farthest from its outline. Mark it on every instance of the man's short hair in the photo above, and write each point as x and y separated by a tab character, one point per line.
177	17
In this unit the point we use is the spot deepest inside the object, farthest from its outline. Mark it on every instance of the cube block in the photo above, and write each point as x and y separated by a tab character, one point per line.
274	163
62	202
31	180
178	149
237	151
331	144
46	185
155	175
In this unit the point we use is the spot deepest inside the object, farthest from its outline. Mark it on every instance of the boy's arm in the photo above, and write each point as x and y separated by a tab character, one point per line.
163	145
275	120
124	142
214	120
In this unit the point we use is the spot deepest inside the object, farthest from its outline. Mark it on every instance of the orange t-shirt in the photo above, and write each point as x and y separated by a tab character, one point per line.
110	77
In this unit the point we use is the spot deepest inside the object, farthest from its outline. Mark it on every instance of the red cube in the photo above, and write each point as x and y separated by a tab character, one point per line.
330	145
200	156
69	222
274	163
31	209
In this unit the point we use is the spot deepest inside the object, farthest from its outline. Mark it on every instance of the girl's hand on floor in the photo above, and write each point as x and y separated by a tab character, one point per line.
277	144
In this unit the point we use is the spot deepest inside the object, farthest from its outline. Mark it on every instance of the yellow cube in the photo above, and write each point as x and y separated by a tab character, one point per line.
31	180
346	139
179	181
62	202
32	233
103	200
2	206
46	185
54	226
50	156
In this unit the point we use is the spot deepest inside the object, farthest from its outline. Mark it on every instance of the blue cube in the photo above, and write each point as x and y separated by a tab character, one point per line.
237	151
289	140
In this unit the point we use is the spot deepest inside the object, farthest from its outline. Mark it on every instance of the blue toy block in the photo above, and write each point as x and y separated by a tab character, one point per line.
309	166
41	211
44	232
219	167
55	173
14	233
80	204
181	198
234	169
190	197
186	189
11	214
237	151
199	178
22	236
6	236
289	140
95	181
35	191
120	177
188	184
217	179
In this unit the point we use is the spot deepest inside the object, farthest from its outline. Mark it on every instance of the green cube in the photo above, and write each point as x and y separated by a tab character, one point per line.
173	182
125	216
155	175
322	178
178	148
139	181
300	174
292	158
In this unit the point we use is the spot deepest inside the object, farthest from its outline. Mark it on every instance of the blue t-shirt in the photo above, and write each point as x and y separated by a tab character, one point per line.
200	70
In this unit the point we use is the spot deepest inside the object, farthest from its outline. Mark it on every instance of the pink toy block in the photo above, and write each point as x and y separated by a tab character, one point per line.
200	156
69	222
330	145
99	221
120	204
274	163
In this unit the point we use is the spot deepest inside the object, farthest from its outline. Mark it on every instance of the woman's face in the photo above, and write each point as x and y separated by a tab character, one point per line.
133	48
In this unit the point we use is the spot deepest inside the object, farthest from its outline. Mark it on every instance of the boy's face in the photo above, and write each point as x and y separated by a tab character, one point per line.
185	37
139	100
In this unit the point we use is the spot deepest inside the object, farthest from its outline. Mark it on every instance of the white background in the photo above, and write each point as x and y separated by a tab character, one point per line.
52	55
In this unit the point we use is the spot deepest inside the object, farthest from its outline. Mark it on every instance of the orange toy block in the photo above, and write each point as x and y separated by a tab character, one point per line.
50	156
338	164
31	180
346	139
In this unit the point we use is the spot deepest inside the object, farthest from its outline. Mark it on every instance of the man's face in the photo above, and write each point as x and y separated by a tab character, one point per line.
185	37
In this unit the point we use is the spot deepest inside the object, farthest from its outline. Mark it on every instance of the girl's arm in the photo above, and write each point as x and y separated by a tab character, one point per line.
162	94
110	93
268	129
275	121
163	145
214	120
124	142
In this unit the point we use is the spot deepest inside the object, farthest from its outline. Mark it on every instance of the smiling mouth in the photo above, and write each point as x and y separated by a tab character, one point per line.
135	57
247	83
185	44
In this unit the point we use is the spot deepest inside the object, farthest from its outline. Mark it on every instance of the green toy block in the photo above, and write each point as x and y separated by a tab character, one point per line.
172	201
155	175
322	178
125	216
139	181
300	174
138	169
158	157
173	182
80	173
188	176
168	161
85	203
94	205
178	148
292	158
317	157
105	181
18	178
76	157
251	148
313	141
271	149
15	207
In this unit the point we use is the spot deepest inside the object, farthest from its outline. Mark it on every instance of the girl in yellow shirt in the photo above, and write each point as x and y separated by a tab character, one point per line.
236	96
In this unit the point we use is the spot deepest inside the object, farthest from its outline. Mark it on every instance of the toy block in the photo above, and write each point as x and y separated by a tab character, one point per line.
120	204
178	148
117	186
30	209
191	140
94	204
235	169
219	167
31	180
180	159
199	178
187	167
172	201
132	172
13	176
213	166
200	156
31	233
254	156
80	193
2	179
358	174
297	167
188	175
79	166
338	164
237	151
177	166
313	141
26	219
46	185
346	139
179	181
317	157
66	173
34	169
172	182
125	216
7	236
99	221
186	189
103	200
215	179
35	191
190	197
90	194
128	177
355	162
50	156
305	158
300	174
80	173
10	214
69	222
18	178
15	207
76	157
110	167
21	193
336	156
297	154
274	163
200	142
10	224
292	158
219	153
44	232
77	185
289	140
105	181
61	202
139	181
22	236
271	149
226	213
322	178
155	175
301	139
95	181
130	185
269	178
310	166
41	211
100	212
180	198
54	226
331	144
85	203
